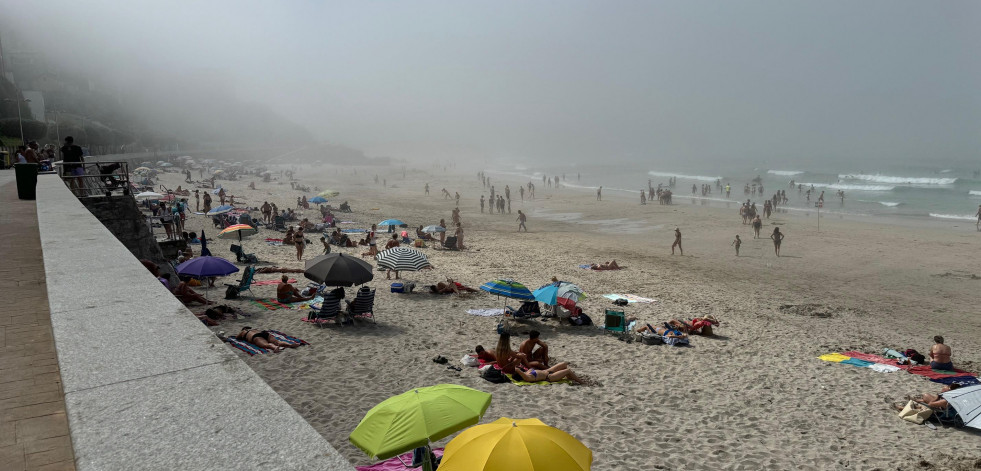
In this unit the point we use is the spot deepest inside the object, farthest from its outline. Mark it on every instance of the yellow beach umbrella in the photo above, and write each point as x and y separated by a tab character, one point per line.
515	445
328	193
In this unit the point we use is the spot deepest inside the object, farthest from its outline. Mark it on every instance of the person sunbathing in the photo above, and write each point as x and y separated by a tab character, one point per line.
698	325
664	331
263	339
556	373
286	293
450	287
611	265
186	295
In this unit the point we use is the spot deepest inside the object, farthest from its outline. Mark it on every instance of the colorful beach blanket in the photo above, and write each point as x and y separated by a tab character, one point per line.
631	298
889	365
270	282
270	304
393	464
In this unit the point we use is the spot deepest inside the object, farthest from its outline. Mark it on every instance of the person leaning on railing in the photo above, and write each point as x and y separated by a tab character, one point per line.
72	154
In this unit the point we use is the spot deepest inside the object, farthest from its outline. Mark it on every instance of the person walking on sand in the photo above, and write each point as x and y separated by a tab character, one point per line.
521	221
643	197
427	189
978	214
777	237
677	241
481	203
736	243
757	225
599	194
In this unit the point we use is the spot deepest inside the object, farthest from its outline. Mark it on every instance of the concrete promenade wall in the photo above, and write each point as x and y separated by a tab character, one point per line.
147	386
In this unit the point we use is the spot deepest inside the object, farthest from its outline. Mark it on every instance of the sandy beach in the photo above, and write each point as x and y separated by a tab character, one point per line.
755	396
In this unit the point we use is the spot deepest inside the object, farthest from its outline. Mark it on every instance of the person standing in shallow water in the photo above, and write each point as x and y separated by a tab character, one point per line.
777	237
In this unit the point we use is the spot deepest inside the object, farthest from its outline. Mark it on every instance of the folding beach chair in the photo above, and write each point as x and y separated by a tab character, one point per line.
330	310
245	284
363	305
279	223
616	322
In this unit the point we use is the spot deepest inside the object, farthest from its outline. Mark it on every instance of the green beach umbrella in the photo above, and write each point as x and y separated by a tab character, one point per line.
416	417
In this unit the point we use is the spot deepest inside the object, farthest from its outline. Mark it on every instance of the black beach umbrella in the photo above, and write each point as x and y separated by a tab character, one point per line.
337	269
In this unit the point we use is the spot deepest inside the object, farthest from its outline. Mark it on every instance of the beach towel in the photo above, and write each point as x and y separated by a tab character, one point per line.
585	267
270	282
486	312
922	370
245	346
287	338
352	231
833	357
965	380
882	368
393	464
631	298
270	304
274	242
857	362
518	382
347	222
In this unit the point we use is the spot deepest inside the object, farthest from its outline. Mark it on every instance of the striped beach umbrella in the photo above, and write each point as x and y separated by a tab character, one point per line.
508	288
560	293
402	259
237	231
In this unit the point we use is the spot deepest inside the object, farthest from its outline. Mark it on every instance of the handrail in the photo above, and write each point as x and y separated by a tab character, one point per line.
96	178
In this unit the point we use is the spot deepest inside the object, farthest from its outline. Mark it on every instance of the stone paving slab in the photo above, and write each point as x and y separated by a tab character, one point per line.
34	433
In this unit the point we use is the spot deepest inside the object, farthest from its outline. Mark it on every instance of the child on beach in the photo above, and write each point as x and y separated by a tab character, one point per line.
736	243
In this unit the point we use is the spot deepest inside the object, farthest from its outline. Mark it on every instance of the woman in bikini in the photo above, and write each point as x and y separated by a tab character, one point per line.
777	237
300	241
509	361
263	339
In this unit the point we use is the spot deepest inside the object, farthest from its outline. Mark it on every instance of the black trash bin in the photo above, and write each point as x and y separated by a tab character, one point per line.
26	180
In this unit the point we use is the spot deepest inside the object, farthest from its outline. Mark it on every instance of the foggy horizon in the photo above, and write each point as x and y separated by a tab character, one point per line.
586	82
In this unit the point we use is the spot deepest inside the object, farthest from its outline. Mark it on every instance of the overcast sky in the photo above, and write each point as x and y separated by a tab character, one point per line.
577	80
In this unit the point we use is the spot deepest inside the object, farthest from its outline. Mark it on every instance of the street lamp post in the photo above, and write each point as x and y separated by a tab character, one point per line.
20	120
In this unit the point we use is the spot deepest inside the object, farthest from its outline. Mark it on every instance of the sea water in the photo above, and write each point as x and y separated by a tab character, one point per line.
924	193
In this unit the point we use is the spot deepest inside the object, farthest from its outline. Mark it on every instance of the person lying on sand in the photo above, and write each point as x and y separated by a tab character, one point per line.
698	325
186	295
484	355
286	293
611	265
664	331
263	339
553	374
450	287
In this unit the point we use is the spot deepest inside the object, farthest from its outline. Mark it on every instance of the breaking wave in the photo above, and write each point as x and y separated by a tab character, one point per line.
785	173
974	192
952	216
851	187
684	177
898	180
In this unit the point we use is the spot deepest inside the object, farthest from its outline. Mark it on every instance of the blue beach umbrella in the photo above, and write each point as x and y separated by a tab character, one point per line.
204	267
560	293
220	210
392	222
317	200
508	288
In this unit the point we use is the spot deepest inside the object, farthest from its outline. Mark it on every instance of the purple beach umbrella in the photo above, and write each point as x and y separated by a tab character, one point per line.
203	267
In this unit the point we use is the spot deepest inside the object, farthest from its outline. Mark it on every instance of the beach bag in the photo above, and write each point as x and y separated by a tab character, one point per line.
398	288
620	302
915	356
231	292
469	360
914	413
495	375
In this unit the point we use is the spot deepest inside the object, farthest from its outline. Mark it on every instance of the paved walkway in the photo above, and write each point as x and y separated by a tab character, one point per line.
33	426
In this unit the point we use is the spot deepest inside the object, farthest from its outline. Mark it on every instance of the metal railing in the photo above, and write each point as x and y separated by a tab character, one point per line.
90	179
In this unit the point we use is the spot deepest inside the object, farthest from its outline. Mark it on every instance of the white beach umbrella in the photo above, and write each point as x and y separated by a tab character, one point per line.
149	195
967	402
